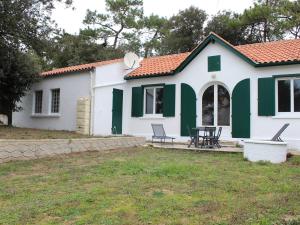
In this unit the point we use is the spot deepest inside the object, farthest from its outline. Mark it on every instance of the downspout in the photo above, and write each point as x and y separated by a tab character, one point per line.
92	96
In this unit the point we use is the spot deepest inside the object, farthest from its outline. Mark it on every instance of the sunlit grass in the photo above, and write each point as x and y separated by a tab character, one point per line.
149	186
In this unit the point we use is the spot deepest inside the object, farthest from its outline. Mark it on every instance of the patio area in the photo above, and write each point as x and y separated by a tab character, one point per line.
205	138
230	147
201	139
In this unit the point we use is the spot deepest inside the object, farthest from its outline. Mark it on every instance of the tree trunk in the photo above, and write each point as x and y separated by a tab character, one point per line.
147	49
265	31
116	41
9	118
146	52
117	37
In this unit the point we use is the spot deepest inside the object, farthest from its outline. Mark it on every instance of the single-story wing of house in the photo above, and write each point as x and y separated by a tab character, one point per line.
249	90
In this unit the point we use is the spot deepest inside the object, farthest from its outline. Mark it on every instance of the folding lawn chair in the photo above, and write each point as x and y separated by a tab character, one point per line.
192	135
217	138
277	135
159	133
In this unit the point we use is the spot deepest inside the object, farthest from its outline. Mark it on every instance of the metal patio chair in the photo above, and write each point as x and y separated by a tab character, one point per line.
159	133
217	138
192	135
208	138
277	135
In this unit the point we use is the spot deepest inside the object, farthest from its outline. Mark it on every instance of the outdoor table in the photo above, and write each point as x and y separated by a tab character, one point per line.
198	130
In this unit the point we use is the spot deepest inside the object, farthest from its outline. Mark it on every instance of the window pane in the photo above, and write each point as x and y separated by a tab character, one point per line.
297	95
284	96
149	101
55	100
159	100
223	106
38	101
208	106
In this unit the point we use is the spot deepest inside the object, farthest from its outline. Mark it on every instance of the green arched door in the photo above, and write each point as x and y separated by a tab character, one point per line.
188	109
241	110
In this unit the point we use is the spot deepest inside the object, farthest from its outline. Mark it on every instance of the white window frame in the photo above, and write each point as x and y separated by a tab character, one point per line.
34	101
50	102
154	102
292	112
216	99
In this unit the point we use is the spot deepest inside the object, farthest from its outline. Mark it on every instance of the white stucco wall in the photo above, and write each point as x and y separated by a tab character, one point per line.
107	78
263	127
141	126
72	87
233	70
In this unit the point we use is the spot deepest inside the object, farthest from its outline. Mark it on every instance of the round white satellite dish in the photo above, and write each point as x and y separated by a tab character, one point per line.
131	60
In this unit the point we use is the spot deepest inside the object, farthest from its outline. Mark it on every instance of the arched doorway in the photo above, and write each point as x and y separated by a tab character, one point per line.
216	106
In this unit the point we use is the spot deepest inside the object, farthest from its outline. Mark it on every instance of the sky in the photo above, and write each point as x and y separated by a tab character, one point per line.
71	20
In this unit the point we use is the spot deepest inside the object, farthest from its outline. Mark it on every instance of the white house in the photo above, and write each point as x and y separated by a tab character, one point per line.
249	90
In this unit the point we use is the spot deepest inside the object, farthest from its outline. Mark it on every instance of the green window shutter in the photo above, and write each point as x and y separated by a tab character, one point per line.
169	100
214	63
188	109
241	110
137	102
117	111
266	96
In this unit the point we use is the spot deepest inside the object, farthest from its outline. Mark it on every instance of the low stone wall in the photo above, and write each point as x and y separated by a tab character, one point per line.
33	149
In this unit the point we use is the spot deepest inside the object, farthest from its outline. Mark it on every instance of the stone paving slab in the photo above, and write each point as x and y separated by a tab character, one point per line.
225	148
185	147
294	152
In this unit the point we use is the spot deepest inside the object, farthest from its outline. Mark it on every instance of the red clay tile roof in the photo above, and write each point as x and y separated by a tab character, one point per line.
83	67
272	52
162	65
284	51
259	54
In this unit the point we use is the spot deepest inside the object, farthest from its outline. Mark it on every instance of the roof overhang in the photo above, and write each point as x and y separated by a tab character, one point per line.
212	38
67	72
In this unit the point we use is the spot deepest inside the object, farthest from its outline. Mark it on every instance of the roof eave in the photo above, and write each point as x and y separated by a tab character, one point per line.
212	38
67	72
278	63
150	75
207	40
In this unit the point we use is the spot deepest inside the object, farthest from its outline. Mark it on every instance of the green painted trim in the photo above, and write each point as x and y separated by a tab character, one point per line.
213	38
149	76
188	109
117	111
153	85
214	63
278	63
169	100
210	38
137	101
241	110
286	75
266	96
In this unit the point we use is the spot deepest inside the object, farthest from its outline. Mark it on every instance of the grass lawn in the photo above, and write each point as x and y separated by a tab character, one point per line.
27	133
149	186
